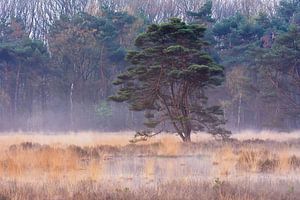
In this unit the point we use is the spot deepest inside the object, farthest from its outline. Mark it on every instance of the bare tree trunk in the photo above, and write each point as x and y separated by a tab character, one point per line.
26	100
102	75
8	117
16	96
239	112
71	106
43	101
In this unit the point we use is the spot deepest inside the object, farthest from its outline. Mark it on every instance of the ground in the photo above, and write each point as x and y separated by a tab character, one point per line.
91	166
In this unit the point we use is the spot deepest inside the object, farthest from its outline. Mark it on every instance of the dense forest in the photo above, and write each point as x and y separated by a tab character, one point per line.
59	58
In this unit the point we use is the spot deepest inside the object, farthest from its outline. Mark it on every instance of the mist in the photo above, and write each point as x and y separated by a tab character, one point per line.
62	84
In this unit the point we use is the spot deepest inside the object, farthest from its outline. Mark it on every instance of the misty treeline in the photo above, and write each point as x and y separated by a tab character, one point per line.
58	59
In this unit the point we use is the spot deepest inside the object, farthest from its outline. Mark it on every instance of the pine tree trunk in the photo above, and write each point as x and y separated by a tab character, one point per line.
187	136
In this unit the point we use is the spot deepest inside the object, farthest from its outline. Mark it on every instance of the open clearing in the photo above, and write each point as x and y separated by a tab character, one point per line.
90	165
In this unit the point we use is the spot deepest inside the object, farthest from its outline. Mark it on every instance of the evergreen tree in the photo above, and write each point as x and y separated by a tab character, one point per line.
23	66
168	78
281	69
204	15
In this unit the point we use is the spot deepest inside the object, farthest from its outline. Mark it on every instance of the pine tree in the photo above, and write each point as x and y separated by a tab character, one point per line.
26	60
204	15
280	68
169	74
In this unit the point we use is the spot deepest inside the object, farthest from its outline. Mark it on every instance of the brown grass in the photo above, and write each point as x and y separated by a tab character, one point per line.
217	190
76	166
256	160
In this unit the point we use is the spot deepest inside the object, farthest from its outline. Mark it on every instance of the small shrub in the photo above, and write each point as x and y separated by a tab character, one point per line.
267	165
294	162
257	161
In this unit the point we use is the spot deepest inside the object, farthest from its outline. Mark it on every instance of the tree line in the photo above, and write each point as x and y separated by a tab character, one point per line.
59	60
39	15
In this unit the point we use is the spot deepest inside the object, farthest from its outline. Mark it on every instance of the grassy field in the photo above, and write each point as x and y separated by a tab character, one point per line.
90	165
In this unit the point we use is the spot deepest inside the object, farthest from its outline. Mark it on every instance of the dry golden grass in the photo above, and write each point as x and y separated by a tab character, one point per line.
256	160
97	166
177	190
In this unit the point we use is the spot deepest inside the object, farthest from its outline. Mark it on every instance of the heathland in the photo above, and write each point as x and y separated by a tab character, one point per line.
248	166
